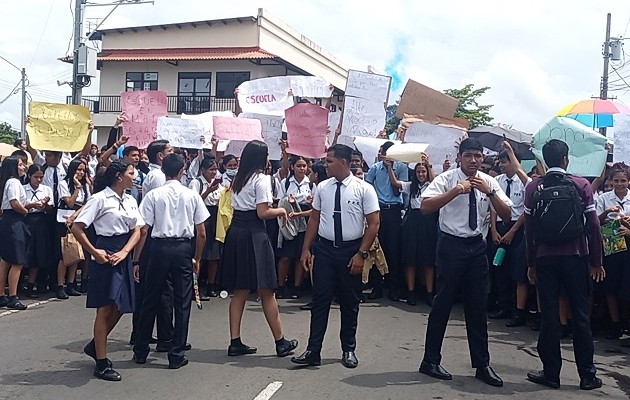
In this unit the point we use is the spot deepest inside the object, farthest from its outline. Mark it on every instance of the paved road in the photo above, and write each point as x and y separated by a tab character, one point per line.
41	358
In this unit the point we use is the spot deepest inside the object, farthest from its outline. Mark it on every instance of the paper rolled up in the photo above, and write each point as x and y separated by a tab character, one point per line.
407	152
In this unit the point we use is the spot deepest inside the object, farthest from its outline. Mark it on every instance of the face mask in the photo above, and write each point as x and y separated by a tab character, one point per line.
231	172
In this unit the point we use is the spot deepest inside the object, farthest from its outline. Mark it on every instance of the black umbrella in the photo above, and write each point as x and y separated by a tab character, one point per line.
491	137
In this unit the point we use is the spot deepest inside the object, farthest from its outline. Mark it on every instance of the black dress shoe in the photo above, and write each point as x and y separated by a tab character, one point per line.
487	375
306	307
307	358
503	314
515	322
590	383
138	359
204	297
62	295
376	294
411	298
540	378
178	364
188	346
349	359
15	304
241	350
429	299
165	347
286	348
71	291
435	371
4	300
108	374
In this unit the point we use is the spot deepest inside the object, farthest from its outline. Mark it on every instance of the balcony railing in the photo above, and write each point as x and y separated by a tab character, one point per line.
176	104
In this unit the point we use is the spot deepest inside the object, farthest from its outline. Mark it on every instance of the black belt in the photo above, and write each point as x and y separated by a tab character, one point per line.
342	244
175	239
383	206
472	238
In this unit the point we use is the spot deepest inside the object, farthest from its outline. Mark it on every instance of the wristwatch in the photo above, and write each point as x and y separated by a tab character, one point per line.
364	254
491	194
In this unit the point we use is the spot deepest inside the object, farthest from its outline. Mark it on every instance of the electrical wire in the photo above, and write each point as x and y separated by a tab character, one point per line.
11	93
72	34
622	78
39	42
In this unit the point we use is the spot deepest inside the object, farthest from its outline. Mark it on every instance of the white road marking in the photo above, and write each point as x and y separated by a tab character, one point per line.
269	391
38	303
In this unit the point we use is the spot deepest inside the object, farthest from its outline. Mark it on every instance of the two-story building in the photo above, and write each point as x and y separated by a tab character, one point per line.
199	64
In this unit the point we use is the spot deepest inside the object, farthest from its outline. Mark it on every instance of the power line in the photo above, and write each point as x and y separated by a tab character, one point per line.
72	34
39	42
14	91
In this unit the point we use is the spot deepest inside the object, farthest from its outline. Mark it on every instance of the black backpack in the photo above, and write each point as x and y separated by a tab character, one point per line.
558	213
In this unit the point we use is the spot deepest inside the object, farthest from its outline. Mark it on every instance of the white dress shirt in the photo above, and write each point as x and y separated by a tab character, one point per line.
454	215
173	210
154	179
13	190
517	194
64	191
358	199
256	191
610	199
299	190
200	185
35	195
415	202
110	214
49	179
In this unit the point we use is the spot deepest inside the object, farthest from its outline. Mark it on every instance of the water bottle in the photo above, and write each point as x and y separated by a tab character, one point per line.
499	256
223	294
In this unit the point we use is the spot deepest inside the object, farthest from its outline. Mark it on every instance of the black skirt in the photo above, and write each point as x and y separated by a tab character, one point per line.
112	285
213	248
419	238
248	261
40	246
15	238
617	280
292	248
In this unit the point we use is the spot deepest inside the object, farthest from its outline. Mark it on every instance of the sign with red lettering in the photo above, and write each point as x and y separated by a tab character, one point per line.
142	110
242	129
268	96
307	126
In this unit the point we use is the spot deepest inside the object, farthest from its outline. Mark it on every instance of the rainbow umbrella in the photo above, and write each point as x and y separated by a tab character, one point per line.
594	113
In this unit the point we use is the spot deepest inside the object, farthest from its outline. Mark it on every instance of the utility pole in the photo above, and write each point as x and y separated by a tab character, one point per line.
23	119
604	89
77	81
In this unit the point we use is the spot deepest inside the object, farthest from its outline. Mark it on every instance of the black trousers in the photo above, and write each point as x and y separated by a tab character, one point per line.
572	273
331	276
461	262
174	258
503	275
389	238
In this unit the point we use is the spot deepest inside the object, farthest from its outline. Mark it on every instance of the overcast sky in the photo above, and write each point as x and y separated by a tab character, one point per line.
536	56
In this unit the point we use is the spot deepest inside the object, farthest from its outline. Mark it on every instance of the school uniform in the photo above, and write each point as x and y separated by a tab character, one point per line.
213	248
248	261
92	164
272	225
154	179
226	180
13	246
300	191
418	231
342	209
113	219
40	246
617	280
172	211
461	263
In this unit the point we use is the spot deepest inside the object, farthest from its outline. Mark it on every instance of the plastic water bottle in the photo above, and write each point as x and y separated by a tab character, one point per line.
499	256
223	294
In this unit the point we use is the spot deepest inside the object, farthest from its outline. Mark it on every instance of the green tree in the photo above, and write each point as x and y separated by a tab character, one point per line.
7	133
469	107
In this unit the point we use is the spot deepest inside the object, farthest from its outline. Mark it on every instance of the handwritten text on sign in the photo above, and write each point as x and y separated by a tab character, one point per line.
368	86
268	96
362	117
306	130
58	127
443	141
181	132
142	109
587	148
271	132
244	129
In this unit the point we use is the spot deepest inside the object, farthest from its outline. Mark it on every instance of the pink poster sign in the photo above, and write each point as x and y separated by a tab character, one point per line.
142	110
241	129
307	126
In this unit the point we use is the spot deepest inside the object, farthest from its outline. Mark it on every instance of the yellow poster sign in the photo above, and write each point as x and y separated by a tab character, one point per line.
58	127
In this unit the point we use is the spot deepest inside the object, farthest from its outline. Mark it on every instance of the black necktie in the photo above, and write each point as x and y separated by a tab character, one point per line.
337	216
508	189
55	185
472	210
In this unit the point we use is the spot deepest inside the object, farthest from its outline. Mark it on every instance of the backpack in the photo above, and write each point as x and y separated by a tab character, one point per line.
558	213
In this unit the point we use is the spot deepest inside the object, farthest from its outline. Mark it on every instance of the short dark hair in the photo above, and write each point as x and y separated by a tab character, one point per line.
554	152
172	164
20	153
129	149
386	147
155	147
470	144
357	153
342	152
504	155
18	142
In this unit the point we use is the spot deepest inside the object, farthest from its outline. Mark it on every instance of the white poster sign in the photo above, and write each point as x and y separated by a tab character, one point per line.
369	147
443	141
235	147
206	119
621	148
333	123
271	132
269	96
368	86
362	117
181	132
310	86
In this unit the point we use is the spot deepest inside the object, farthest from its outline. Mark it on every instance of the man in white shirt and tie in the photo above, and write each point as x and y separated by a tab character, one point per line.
464	197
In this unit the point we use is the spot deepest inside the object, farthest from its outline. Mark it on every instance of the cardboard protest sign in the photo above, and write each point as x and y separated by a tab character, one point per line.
368	86
181	132
587	148
58	127
307	126
142	109
369	147
362	117
443	141
269	96
271	132
237	128
419	99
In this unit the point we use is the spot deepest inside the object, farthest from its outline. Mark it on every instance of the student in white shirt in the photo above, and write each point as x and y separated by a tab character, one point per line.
93	159
248	262
230	164
13	246
463	196
40	244
298	190
176	215
208	187
116	221
156	151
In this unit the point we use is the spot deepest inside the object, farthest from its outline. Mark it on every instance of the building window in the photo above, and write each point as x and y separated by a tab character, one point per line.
194	92
228	81
142	81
